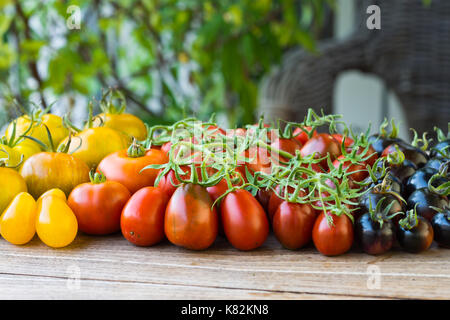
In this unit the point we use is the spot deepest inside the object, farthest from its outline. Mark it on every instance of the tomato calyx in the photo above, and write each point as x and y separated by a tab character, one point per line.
136	149
107	104
393	134
410	220
97	177
382	215
444	188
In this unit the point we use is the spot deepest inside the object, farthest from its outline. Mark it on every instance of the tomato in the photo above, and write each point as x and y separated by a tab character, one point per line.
98	205
125	123
166	147
357	171
275	201
190	222
11	184
340	138
54	193
18	221
322	145
168	184
124	167
263	197
293	224
217	190
302	136
142	219
92	145
46	170
9	156
244	220
56	224
418	238
54	123
335	239
287	145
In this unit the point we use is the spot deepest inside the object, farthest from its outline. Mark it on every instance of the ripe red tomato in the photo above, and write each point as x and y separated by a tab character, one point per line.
301	136
120	167
244	220
320	146
288	145
142	219
190	222
293	224
340	138
358	170
335	239
98	206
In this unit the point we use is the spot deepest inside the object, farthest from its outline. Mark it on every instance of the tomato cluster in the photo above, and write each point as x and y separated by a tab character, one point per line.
191	182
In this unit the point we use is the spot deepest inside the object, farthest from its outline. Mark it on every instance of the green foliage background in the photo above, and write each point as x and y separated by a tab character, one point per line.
170	58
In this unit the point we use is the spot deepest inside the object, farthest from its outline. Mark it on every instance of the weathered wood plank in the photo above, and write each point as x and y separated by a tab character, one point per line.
221	271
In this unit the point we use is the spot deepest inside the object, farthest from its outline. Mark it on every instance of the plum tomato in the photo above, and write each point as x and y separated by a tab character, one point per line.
333	239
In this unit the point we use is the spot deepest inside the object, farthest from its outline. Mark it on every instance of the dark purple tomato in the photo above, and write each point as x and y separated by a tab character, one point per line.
369	201
418	238
441	227
425	199
379	143
373	237
436	163
403	171
420	178
441	149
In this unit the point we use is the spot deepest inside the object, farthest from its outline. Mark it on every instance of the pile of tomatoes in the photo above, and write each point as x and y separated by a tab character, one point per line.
191	182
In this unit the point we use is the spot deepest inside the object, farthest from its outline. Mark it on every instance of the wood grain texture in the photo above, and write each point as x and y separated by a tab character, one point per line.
111	268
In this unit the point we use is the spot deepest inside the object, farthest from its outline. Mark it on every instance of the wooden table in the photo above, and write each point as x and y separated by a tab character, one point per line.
111	268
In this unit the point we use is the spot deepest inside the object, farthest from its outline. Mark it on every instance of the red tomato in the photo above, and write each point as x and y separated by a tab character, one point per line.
190	222
293	224
263	197
358	170
142	219
244	220
120	167
275	201
288	145
98	206
335	239
371	155
340	138
217	190
320	146
301	136
166	147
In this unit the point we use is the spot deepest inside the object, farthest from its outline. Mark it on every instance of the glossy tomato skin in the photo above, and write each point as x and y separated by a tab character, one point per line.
418	239
275	201
340	138
441	227
118	166
425	200
333	240
374	239
142	219
244	220
357	171
320	146
217	190
98	206
189	220
293	224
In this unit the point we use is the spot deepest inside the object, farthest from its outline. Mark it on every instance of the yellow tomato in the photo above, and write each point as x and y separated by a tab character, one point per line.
47	170
92	145
10	156
27	148
126	123
56	224
53	122
53	193
11	184
18	221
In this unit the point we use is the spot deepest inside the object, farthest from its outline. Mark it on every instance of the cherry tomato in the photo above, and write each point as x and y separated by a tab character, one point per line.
357	171
11	184
293	224
320	146
418	238
302	136
98	206
190	222
142	219
244	220
125	168
335	239
340	138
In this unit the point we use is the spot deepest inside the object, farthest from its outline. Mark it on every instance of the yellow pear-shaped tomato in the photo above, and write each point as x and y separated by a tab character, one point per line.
56	224
53	122
53	193
18	221
11	184
92	145
47	170
126	123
